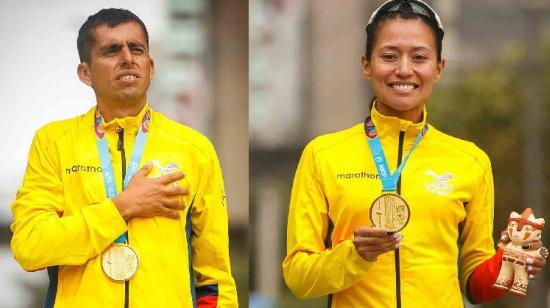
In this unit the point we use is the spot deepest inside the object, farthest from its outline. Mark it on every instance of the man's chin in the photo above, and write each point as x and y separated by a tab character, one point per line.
130	95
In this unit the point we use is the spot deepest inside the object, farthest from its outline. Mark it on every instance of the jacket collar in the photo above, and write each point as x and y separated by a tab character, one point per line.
129	123
386	125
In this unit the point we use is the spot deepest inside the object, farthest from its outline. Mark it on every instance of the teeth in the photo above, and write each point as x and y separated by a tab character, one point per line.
128	77
403	87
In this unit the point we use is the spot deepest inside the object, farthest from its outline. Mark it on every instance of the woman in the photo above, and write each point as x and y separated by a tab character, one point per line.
401	249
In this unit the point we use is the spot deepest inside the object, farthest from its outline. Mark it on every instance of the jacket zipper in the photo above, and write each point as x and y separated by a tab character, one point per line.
397	262
120	147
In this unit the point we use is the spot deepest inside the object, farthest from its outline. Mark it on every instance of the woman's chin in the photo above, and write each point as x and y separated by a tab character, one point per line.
399	106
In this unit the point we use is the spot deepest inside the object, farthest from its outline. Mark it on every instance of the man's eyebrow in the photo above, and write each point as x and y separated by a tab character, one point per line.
115	45
136	44
119	45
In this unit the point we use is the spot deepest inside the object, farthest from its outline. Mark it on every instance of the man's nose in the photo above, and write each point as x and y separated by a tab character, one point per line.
126	56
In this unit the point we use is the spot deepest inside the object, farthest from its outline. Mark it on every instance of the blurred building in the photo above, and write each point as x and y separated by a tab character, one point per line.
306	80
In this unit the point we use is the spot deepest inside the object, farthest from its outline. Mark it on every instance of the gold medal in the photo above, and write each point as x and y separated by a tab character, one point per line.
390	211
119	262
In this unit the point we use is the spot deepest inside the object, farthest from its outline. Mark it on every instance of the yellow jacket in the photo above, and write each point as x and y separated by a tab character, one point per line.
63	220
448	185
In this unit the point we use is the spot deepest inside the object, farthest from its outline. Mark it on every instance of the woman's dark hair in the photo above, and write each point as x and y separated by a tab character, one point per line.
404	13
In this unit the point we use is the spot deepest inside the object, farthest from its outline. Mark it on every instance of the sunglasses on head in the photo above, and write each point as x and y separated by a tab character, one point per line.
416	6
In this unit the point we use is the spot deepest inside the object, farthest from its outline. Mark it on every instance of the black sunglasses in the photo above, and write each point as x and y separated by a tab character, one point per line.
416	6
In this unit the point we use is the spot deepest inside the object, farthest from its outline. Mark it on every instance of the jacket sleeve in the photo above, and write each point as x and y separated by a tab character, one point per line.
476	236
42	236
209	239
310	268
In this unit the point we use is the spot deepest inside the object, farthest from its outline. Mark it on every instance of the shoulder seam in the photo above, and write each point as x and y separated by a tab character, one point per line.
461	150
326	147
202	150
44	129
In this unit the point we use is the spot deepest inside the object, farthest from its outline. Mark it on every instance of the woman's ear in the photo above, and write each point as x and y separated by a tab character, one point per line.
366	67
440	68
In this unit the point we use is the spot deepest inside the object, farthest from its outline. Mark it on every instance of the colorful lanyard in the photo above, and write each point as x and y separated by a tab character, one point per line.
105	160
389	181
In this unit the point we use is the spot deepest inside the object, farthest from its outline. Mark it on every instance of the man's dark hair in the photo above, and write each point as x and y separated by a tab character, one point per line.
110	17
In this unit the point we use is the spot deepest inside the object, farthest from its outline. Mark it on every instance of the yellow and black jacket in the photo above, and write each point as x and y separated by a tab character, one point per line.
448	185
63	220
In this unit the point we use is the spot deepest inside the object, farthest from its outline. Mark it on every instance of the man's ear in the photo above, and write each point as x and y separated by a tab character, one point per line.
84	74
365	64
152	73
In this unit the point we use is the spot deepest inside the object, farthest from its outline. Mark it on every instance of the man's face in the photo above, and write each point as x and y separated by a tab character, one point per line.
120	69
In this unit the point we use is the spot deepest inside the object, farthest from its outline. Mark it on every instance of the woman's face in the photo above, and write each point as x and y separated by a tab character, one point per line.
403	67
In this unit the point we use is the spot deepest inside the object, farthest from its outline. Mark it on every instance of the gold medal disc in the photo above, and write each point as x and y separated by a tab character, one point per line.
119	262
390	211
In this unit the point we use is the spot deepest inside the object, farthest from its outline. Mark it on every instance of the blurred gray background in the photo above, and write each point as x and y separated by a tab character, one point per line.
305	80
201	53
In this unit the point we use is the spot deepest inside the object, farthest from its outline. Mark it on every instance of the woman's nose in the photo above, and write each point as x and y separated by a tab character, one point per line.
405	68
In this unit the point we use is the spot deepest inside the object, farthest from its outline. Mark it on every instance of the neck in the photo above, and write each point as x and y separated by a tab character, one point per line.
414	115
110	111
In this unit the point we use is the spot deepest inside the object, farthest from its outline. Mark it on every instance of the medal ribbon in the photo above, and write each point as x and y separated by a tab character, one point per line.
389	181
105	160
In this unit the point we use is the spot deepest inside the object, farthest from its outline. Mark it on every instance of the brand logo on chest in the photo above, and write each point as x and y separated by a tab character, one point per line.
441	185
160	170
82	168
357	175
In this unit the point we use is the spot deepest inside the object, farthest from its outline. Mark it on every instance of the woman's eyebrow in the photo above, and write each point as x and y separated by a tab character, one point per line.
395	47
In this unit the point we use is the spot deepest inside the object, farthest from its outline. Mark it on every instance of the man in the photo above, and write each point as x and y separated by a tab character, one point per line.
161	241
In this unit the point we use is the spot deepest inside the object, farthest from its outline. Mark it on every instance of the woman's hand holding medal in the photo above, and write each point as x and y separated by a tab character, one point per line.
149	197
370	242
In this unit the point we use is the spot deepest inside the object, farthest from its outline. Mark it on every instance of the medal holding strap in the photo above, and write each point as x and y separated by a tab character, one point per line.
389	210
119	261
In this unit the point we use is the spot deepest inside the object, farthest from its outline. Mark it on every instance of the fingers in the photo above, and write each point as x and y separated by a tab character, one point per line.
386	246
175	191
532	245
170	178
371	232
534	266
145	170
544	252
535	263
170	208
170	213
373	255
370	242
175	204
